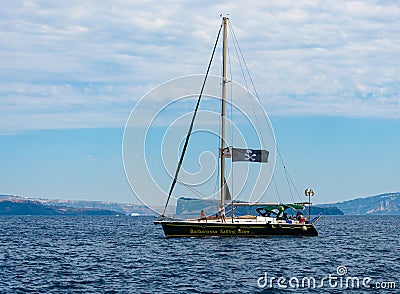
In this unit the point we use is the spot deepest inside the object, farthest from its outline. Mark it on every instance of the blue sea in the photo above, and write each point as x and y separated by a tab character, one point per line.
97	254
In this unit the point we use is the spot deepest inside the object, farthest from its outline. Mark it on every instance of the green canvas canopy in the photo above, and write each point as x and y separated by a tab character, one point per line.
282	207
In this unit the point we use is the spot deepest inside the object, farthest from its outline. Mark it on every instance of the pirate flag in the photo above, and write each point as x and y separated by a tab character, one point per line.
249	155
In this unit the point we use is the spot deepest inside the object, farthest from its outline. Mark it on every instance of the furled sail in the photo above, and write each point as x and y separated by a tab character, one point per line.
227	192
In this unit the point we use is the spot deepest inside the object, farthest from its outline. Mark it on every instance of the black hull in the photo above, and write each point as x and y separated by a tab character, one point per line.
190	229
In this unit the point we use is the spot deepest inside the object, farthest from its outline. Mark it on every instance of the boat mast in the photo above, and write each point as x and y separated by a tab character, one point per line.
223	111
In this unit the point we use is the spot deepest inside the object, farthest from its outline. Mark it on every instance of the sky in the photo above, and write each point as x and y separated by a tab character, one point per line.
327	74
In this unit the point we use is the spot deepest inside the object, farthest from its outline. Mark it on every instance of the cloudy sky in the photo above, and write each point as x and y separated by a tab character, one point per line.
82	65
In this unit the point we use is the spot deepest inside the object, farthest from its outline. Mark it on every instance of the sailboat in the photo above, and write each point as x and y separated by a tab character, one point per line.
269	219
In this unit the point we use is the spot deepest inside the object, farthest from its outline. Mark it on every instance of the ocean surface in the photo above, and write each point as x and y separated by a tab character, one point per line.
97	254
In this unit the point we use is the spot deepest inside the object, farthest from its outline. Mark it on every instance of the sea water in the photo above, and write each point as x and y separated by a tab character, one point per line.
131	255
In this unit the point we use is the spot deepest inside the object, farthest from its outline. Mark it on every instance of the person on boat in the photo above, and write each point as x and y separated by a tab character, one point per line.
202	215
223	217
300	217
289	221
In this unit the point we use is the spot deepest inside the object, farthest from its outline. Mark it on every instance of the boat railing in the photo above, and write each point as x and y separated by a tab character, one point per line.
315	219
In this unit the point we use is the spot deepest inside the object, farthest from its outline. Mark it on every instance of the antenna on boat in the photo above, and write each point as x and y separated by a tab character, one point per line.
309	193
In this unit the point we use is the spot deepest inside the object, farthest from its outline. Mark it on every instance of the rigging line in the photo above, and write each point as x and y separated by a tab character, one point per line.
288	178
258	98
192	123
241	59
198	193
217	182
286	174
231	93
194	191
294	186
218	169
231	120
245	64
276	188
216	187
290	188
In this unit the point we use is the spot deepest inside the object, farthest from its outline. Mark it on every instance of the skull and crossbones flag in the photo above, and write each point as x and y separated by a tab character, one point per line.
249	155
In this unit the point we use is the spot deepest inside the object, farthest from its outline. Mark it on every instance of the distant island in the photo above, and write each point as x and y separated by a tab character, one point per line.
36	208
383	204
18	205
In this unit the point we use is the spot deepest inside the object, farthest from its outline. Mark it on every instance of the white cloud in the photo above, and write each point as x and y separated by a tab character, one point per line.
86	63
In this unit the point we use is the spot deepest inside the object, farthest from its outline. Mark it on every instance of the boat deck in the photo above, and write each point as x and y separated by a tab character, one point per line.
236	220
